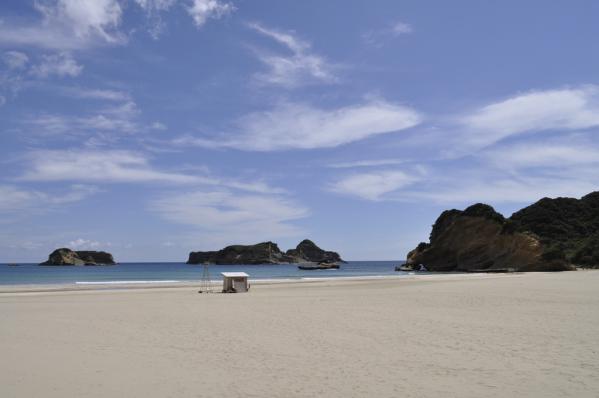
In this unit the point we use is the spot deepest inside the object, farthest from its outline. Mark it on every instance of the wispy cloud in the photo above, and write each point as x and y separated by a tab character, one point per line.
378	37
153	10
119	166
401	28
373	185
367	163
523	189
563	109
12	75
518	172
539	113
61	65
106	125
67	25
547	155
105	166
202	10
299	126
224	217
97	94
86	244
14	199
299	67
15	59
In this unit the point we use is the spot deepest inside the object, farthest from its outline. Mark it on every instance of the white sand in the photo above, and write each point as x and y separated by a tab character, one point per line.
528	335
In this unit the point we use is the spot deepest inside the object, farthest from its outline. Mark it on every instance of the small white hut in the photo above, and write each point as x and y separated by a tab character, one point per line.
235	282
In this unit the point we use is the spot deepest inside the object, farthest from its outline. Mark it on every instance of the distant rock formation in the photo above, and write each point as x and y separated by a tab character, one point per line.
65	256
261	253
307	250
480	239
264	253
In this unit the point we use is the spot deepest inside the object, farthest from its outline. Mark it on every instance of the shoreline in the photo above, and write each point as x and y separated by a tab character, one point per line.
124	285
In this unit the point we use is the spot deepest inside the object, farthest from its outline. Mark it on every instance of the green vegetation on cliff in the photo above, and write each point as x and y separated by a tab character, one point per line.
565	226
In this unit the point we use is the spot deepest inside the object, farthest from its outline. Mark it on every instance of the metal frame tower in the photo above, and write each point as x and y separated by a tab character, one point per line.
205	282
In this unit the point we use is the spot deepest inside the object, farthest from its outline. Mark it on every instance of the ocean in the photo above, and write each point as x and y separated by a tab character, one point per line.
26	274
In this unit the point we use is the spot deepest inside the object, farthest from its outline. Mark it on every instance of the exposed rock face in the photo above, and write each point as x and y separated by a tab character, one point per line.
480	239
308	251
66	256
264	253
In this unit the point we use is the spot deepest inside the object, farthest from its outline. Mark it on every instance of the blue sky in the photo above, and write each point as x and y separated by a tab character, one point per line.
150	128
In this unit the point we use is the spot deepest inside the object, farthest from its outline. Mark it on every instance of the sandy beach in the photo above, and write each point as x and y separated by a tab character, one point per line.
532	335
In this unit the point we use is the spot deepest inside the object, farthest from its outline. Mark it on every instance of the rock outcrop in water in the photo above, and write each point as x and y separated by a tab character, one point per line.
307	250
66	256
261	253
264	253
480	239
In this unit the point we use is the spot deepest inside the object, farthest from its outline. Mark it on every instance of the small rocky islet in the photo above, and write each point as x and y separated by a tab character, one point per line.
65	256
267	253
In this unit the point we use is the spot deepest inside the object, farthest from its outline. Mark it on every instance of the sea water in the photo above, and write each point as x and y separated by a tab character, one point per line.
178	272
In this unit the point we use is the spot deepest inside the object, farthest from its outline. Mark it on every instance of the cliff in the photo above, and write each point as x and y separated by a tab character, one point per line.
264	253
66	256
480	239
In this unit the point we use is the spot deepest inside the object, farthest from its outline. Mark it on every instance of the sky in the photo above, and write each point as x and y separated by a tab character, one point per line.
151	128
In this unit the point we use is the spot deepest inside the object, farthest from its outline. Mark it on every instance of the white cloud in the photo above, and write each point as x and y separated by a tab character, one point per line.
13	199
160	5
107	166
558	112
520	172
299	67
565	109
67	25
114	166
105	125
61	65
401	28
521	189
546	155
374	185
202	10
378	37
158	126
367	163
15	59
296	126
68	125
224	216
153	10
99	94
86	244
86	17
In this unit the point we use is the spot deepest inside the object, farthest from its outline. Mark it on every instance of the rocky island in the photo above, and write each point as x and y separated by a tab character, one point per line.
65	256
265	253
550	235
